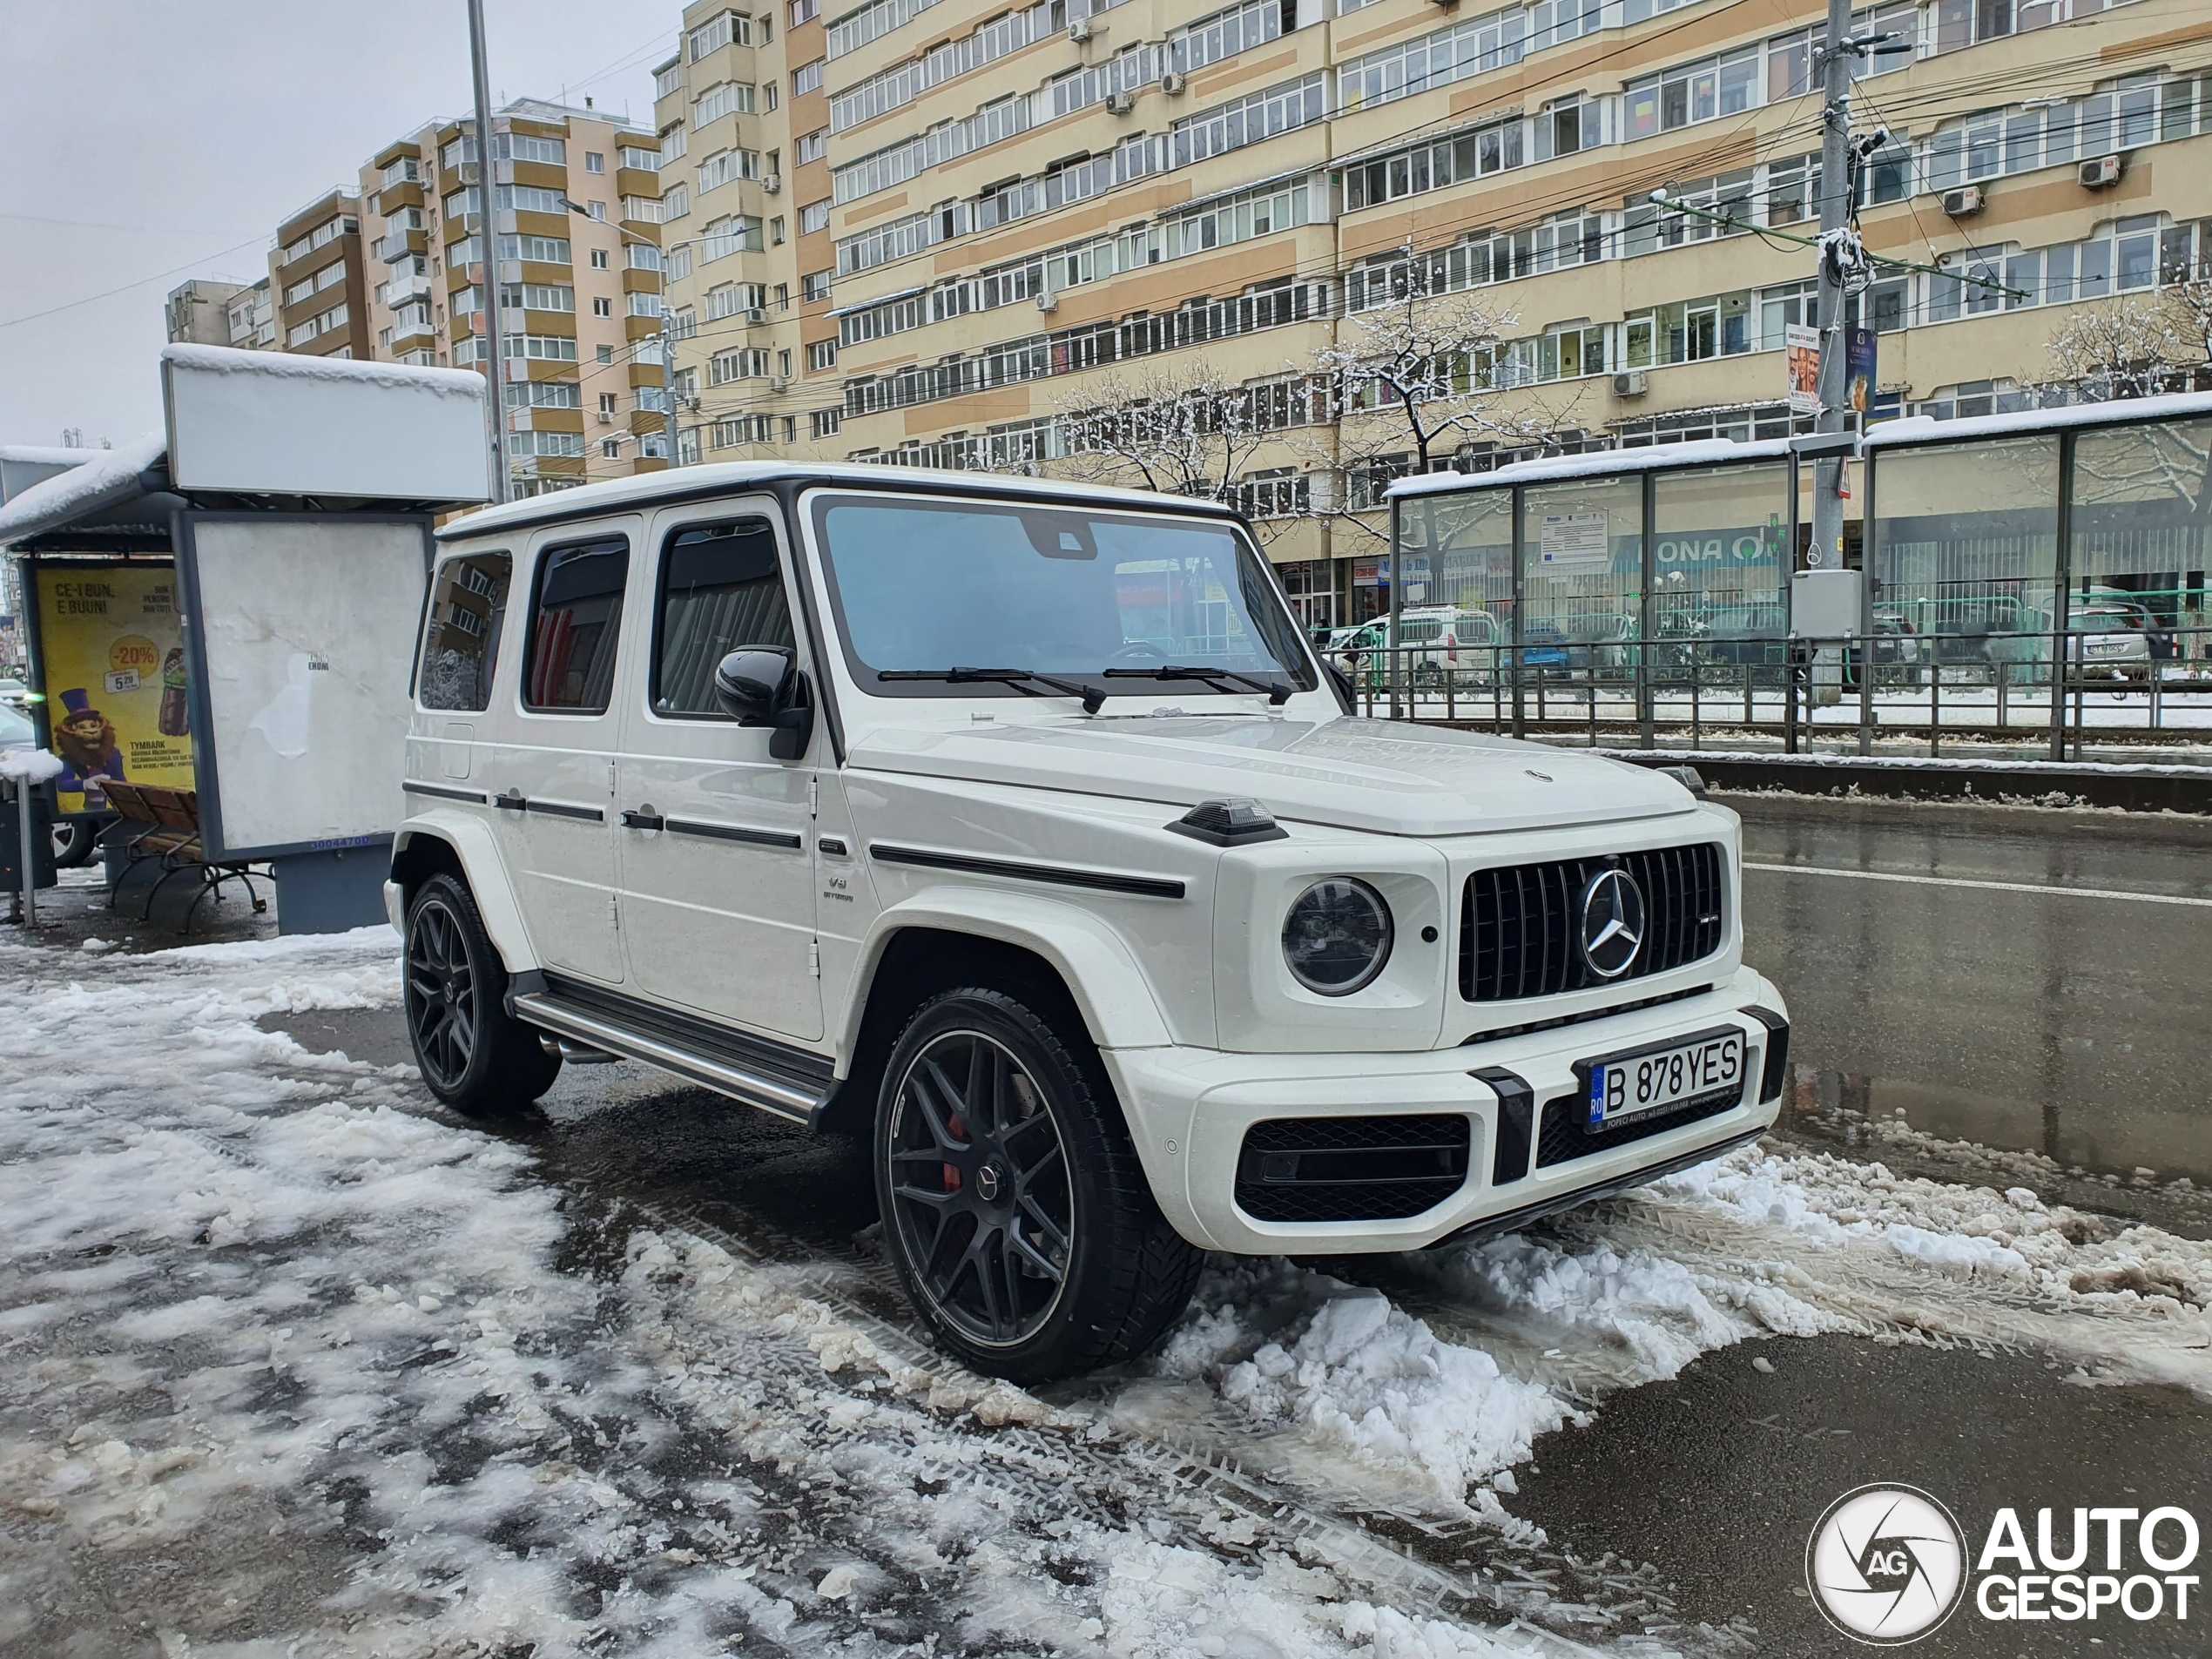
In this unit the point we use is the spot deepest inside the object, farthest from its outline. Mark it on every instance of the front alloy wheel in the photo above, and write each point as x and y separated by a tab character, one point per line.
441	995
1013	1207
980	1191
474	1056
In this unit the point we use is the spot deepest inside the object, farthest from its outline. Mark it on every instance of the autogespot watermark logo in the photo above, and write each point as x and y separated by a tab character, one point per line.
1888	1564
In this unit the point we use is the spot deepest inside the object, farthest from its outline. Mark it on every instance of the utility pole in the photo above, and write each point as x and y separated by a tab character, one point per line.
494	343
1836	60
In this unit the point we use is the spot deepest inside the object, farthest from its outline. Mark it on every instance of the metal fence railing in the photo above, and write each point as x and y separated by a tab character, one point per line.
1905	690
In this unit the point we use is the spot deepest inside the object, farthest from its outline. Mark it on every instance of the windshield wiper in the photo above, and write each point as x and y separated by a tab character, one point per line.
1021	678
1278	692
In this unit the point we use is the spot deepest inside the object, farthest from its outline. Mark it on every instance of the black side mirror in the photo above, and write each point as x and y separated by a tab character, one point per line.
762	686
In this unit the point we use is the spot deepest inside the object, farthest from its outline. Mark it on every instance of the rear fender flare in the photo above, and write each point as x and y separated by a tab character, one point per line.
473	847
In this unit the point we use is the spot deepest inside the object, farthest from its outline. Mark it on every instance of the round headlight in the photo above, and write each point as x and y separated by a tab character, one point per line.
1337	936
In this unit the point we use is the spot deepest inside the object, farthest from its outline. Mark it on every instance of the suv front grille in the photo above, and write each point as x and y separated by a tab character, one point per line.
1565	1134
1351	1169
1518	926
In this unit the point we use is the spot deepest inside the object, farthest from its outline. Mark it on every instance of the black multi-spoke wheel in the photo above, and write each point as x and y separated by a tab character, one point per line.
1013	1204
472	1055
980	1191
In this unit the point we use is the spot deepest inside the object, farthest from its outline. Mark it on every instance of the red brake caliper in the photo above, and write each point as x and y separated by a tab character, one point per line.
958	1125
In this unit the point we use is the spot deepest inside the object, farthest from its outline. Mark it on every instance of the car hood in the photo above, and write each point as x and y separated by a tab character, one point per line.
1394	779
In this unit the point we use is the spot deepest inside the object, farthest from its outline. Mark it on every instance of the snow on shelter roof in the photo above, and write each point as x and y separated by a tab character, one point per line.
1921	428
226	360
113	478
1596	463
34	454
691	483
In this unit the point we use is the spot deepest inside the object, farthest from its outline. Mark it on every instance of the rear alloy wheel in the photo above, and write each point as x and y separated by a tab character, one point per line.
74	841
1016	1215
472	1055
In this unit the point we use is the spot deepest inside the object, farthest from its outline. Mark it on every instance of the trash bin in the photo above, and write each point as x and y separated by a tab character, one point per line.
42	836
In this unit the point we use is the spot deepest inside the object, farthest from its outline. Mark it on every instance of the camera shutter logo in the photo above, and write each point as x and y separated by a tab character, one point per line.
1613	913
1887	1565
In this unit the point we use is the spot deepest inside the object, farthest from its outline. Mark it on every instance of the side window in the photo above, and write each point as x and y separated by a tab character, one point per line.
460	636
570	665
721	588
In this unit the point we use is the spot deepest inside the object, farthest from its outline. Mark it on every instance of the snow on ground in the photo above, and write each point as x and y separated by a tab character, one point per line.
290	1364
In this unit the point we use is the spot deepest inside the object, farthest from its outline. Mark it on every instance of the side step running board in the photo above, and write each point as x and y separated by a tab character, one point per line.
793	1104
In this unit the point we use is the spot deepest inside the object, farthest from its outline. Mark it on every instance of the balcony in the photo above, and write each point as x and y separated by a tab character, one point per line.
414	328
400	289
399	244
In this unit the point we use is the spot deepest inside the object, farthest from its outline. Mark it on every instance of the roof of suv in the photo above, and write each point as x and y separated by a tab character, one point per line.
722	478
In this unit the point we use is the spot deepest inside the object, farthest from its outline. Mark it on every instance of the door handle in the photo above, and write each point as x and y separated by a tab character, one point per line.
644	818
512	801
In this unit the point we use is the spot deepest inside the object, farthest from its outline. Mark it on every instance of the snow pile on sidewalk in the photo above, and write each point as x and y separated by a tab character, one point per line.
288	1365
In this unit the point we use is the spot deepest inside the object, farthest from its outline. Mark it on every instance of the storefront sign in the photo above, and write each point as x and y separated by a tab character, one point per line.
114	666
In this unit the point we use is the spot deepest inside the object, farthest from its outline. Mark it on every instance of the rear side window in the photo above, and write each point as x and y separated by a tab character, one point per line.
461	638
721	589
574	622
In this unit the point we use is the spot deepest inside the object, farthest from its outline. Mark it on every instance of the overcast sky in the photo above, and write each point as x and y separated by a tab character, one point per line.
143	142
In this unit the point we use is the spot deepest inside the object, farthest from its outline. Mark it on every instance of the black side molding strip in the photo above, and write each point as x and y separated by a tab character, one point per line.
783	839
474	797
1513	1218
1517	1122
561	809
1060	875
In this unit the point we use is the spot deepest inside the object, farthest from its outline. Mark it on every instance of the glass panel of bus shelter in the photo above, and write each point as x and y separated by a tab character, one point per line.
1717	536
1582	575
2142	494
1965	547
1459	553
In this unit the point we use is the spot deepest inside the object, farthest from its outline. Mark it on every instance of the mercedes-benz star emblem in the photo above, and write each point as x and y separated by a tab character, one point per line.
987	1184
1612	922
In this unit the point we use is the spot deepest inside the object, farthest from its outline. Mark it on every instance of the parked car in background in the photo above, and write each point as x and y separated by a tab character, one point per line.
1575	645
1438	641
2107	639
14	693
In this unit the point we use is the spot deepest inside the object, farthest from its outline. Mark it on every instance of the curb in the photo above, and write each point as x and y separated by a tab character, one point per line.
2134	789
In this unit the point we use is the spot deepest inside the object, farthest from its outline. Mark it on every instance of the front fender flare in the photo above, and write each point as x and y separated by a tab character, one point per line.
486	874
1102	973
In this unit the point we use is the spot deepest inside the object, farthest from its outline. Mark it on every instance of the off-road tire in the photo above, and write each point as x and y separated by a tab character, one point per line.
491	1064
1128	1273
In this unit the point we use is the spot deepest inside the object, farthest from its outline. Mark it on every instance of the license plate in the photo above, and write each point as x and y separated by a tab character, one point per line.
1624	1086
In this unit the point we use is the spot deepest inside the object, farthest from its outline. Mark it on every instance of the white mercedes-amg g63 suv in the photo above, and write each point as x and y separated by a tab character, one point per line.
1017	826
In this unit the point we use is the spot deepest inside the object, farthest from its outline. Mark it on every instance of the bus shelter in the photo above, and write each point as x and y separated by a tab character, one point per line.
1606	567
226	613
2078	535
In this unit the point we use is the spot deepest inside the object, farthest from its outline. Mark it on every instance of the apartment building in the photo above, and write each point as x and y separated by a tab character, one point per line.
742	118
197	312
250	317
572	237
925	231
316	273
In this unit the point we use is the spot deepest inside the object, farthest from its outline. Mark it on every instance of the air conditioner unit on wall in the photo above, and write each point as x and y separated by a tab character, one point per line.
1079	31
2095	175
1961	204
756	313
1172	83
1628	385
777	383
1047	302
772	183
1120	103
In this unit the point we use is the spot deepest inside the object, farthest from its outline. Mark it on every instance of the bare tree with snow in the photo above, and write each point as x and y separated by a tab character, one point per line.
2130	349
1179	427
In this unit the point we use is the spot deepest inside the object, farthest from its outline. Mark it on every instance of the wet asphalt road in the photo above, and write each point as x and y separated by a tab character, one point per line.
2037	1021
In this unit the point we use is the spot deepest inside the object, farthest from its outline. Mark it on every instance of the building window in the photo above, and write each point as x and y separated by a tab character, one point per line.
606	402
677	203
776	231
824	424
807	78
813	146
816	287
606	354
598	258
803	11
821	356
768	96
611	447
814	217
594	162
603	306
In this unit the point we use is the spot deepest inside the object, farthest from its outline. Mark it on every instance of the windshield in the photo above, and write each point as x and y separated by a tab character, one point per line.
922	586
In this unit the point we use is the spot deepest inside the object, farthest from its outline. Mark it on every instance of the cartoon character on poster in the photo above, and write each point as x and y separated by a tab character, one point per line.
91	754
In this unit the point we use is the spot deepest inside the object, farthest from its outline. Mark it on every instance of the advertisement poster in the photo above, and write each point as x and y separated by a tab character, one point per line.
1858	371
114	662
1801	347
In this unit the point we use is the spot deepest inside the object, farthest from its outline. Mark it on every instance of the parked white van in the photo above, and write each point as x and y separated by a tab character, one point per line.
1017	826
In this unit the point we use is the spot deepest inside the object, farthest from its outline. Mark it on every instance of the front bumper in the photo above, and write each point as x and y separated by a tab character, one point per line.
1189	1110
